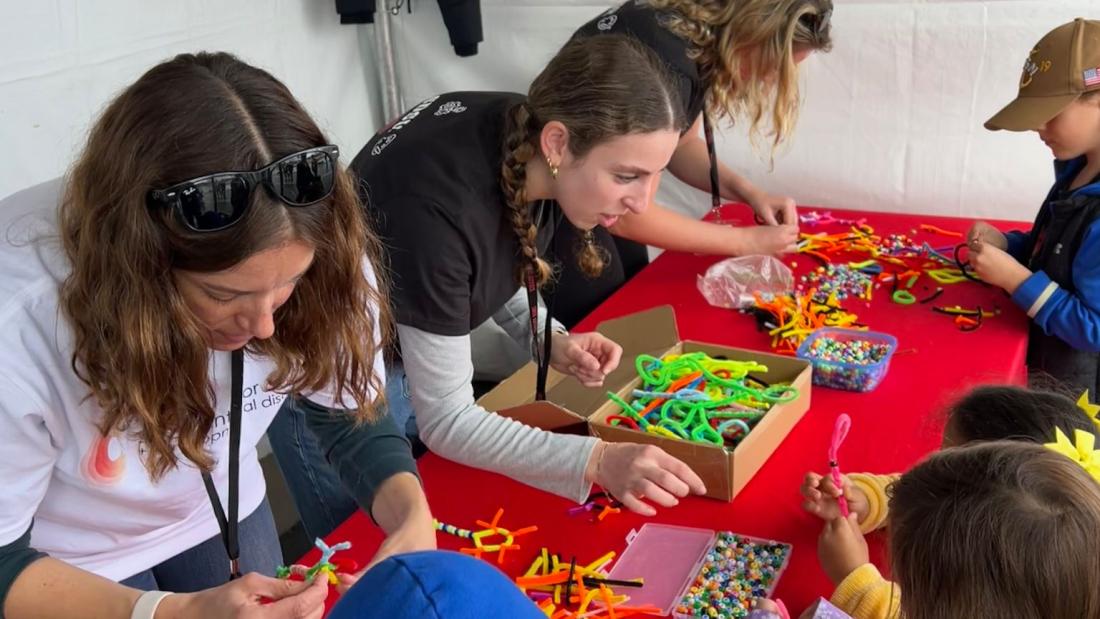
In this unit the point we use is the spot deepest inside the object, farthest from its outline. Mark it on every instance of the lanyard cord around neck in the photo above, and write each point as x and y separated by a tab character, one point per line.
229	525
708	133
541	356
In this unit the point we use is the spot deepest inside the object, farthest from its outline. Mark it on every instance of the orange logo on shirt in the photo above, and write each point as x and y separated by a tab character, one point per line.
105	461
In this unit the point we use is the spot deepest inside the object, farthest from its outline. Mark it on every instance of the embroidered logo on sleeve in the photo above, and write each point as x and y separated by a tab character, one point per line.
607	23
391	131
450	107
382	144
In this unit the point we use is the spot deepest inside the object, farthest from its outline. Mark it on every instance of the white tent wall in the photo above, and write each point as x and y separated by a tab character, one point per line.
61	61
892	117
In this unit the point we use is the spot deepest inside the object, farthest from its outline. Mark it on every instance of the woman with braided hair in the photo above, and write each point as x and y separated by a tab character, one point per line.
466	190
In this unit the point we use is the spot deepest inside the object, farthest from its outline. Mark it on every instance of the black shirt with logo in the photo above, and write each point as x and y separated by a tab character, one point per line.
431	186
646	24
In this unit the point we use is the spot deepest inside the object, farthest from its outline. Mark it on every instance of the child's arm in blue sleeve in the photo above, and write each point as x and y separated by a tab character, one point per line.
1019	245
1073	317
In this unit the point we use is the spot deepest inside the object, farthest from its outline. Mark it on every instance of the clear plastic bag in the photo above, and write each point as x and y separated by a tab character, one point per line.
732	282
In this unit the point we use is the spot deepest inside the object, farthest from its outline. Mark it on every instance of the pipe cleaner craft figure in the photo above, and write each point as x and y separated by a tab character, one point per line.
489	530
324	565
840	432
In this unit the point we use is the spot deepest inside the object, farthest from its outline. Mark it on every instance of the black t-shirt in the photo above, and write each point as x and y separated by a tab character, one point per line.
644	23
431	185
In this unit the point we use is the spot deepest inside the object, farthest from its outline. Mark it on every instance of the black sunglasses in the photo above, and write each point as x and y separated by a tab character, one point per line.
217	201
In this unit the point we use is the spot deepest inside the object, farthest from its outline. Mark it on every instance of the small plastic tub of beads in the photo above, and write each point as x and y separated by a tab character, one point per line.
736	570
690	572
848	359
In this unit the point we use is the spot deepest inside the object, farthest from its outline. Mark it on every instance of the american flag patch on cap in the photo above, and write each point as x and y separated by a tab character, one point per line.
1092	76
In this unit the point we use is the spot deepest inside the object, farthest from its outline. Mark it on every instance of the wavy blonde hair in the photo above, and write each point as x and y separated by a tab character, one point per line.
138	346
599	88
745	53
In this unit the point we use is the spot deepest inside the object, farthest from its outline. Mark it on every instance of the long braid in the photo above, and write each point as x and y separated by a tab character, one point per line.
520	126
592	258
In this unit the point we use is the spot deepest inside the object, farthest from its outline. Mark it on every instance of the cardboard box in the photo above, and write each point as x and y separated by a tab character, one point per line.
571	407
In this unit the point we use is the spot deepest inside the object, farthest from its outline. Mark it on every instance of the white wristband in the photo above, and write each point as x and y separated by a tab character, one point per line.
147	604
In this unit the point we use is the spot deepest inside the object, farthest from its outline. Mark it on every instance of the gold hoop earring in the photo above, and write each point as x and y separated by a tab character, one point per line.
553	169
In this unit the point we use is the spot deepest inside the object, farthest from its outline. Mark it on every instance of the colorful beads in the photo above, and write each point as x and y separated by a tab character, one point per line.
735	571
841	280
849	360
451	529
860	352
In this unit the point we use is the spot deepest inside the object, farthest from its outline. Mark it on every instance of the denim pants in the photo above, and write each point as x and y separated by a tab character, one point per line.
207	565
322	501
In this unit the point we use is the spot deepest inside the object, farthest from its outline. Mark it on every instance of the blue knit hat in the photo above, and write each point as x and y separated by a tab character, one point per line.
434	584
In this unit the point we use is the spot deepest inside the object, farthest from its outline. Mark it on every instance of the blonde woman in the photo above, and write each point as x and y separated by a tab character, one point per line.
732	60
205	258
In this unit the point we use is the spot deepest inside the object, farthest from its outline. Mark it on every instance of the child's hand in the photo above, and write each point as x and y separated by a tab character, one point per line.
996	267
820	494
986	233
841	548
763	608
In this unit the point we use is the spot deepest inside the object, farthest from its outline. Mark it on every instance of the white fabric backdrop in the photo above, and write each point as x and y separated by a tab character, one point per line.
892	116
61	61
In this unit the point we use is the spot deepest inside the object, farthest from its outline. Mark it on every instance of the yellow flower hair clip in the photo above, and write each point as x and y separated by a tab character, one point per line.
1082	451
1092	411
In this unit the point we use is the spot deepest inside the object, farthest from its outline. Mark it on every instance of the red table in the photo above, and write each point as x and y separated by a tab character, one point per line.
892	427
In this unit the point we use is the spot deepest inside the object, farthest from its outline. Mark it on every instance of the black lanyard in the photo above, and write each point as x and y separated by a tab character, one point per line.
708	133
229	525
540	355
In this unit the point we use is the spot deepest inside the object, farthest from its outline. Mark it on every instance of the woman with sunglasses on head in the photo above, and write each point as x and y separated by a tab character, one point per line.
730	59
205	259
467	189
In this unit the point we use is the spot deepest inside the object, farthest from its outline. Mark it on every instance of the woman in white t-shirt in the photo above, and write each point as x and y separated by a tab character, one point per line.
157	309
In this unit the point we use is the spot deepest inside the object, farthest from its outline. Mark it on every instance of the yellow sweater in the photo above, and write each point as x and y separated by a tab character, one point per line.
874	487
865	594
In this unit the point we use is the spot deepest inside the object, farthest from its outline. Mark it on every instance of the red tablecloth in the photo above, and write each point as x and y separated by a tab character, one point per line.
892	427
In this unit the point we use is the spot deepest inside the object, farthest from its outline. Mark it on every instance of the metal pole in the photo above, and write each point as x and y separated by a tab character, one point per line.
392	104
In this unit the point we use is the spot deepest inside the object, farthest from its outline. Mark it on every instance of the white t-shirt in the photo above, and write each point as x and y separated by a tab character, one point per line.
90	497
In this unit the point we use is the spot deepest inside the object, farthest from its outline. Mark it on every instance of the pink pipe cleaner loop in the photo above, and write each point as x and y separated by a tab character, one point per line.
840	432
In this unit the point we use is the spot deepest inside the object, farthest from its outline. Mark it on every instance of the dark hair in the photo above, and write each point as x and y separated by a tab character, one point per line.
599	88
137	345
999	529
1006	412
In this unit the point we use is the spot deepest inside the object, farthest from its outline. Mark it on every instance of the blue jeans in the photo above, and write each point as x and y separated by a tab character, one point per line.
322	501
206	565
